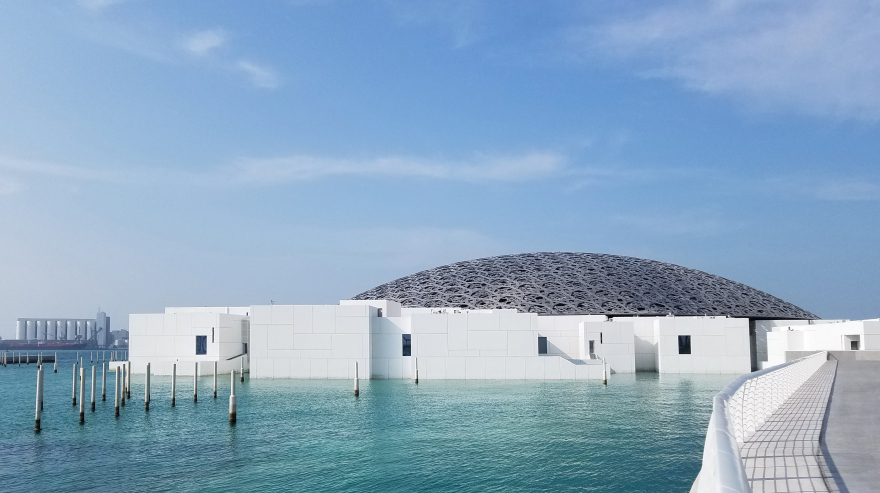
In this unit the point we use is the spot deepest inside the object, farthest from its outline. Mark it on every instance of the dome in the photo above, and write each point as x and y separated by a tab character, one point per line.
582	284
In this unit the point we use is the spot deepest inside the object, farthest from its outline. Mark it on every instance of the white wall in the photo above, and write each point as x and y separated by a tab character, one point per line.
829	336
764	327
718	345
500	344
310	341
163	339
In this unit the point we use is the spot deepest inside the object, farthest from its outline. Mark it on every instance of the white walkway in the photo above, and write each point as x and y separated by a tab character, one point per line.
784	454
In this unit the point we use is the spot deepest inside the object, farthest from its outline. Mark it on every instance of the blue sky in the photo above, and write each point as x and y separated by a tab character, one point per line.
160	153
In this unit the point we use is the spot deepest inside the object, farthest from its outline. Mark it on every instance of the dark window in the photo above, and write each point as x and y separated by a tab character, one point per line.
245	348
407	344
684	344
542	345
380	312
854	345
212	335
592	347
201	344
600	339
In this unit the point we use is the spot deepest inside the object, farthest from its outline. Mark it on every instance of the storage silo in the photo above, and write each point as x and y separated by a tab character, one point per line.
59	330
90	329
70	331
51	330
41	330
103	328
31	330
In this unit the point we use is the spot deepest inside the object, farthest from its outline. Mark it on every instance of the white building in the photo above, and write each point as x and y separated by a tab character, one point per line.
535	316
325	341
789	342
64	329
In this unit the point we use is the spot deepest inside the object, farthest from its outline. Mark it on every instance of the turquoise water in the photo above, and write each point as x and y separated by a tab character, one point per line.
642	432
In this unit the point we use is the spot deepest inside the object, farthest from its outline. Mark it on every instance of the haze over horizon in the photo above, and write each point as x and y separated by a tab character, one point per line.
155	153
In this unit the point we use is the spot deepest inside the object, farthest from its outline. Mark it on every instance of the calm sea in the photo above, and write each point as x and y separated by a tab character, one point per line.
642	432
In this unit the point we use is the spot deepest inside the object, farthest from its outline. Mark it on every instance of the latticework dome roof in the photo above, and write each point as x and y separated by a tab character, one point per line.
581	284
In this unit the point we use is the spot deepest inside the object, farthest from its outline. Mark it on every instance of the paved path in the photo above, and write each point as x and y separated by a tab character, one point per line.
852	436
784	453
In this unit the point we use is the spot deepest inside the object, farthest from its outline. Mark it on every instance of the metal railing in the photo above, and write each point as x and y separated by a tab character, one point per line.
738	411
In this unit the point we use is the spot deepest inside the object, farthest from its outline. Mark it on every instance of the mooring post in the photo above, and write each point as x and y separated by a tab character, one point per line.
173	382
82	395
93	388
74	384
604	372
417	370
38	416
232	410
357	390
40	371
103	381
27	358
196	383
215	379
128	378
55	370
91	360
147	389
121	368
241	360
116	392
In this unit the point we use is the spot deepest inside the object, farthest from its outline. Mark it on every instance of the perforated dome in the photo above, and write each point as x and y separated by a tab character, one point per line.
582	284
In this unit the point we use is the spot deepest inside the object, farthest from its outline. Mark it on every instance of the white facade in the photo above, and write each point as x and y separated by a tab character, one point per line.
163	339
857	335
763	327
329	341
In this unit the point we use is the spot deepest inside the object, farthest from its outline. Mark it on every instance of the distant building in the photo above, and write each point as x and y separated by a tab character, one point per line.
119	338
93	330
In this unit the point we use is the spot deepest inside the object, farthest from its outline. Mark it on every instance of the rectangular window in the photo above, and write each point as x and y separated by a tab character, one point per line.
600	338
854	345
380	312
407	344
592	347
684	344
201	344
542	345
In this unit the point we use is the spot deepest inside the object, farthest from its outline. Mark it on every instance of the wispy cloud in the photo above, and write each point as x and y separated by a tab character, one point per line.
259	75
204	42
97	5
54	170
825	188
462	18
813	56
480	167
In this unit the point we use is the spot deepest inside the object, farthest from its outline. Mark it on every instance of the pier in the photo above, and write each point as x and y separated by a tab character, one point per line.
797	427
852	432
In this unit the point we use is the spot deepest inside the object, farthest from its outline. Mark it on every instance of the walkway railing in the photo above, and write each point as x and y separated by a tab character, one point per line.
740	409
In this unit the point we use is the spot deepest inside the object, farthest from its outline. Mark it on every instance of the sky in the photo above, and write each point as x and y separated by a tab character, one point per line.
163	153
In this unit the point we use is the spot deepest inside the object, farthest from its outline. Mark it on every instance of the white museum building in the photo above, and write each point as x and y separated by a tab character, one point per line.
535	316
